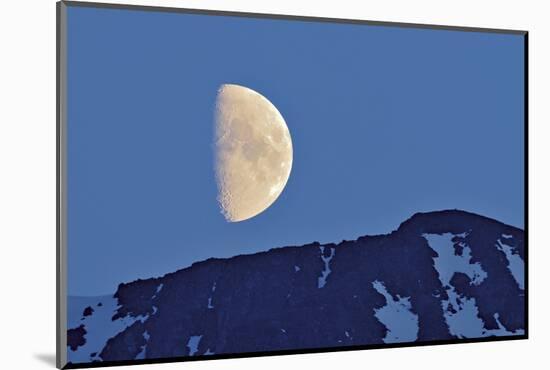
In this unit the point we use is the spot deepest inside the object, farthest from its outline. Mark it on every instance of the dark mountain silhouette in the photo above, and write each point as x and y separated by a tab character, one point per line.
439	276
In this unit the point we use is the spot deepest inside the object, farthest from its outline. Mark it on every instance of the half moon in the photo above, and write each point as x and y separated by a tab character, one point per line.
253	152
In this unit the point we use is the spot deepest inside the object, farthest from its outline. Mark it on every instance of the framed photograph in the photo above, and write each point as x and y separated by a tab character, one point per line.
235	184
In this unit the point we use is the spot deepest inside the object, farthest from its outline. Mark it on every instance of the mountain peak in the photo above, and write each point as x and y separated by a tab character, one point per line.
449	220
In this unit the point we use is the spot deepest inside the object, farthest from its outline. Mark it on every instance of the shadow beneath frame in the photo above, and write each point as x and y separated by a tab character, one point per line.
46	358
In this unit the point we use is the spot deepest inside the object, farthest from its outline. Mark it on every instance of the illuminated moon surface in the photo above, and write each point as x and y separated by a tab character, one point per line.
253	152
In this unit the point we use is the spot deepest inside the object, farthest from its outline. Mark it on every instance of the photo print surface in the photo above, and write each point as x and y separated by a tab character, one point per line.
241	185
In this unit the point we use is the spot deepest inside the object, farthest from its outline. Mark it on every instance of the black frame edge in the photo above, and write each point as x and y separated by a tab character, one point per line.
291	352
526	173
241	14
61	267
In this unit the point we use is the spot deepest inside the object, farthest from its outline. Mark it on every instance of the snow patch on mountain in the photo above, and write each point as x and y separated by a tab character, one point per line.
99	326
141	354
449	261
212	290
322	280
460	312
501	329
401	323
193	344
515	263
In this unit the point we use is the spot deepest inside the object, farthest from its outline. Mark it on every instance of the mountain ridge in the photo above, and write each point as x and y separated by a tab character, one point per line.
404	224
440	275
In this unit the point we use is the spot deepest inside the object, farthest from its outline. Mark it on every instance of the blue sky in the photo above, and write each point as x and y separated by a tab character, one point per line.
385	122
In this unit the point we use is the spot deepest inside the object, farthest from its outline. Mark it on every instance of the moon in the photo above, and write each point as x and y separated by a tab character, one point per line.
253	152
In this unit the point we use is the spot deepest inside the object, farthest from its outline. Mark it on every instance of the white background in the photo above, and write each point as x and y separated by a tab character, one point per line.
27	181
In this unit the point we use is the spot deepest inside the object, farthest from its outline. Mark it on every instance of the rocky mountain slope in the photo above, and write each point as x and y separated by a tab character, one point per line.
440	275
